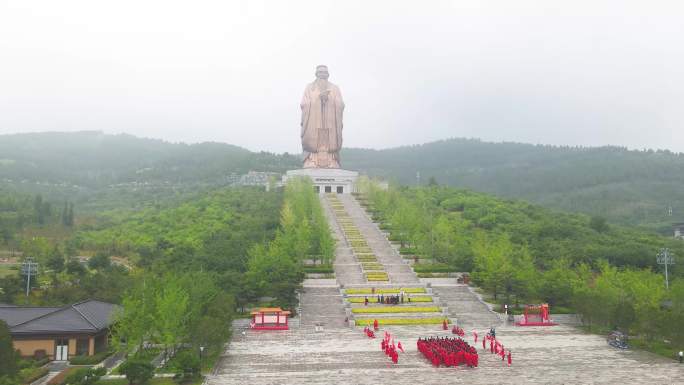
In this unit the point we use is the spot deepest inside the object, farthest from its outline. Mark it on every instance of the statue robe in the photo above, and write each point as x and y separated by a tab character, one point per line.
321	127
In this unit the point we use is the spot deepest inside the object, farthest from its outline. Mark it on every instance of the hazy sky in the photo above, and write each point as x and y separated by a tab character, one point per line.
559	72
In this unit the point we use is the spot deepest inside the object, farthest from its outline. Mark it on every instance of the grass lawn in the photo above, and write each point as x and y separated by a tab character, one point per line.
8	270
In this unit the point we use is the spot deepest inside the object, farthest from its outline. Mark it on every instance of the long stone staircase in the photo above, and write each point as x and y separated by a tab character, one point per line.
368	268
465	308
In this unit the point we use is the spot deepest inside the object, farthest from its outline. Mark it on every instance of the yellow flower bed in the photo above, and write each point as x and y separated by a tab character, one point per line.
362	250
377	279
420	299
408	290
372	266
374	299
400	321
396	309
376	274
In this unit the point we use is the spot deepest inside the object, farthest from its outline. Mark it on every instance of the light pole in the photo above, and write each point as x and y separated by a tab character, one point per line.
29	268
664	257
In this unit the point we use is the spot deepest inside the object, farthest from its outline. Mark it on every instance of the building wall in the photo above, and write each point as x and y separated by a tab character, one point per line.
72	347
29	347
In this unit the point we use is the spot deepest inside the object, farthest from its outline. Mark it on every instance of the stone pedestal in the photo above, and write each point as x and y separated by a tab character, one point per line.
327	180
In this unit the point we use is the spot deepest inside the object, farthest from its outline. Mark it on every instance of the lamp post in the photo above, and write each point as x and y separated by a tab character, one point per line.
664	257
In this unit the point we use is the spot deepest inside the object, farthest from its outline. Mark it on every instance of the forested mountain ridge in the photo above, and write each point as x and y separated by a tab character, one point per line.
625	186
94	159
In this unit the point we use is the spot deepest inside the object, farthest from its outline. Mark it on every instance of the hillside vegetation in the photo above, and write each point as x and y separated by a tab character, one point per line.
628	187
99	171
522	253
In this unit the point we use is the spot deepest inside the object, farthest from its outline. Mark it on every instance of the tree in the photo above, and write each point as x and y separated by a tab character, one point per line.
137	372
599	224
136	321
75	267
55	260
187	365
171	304
99	261
8	356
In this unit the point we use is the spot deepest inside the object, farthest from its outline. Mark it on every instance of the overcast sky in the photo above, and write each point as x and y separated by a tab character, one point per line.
557	72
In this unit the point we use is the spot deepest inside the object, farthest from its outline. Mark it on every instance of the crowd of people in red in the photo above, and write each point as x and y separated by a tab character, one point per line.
443	350
448	351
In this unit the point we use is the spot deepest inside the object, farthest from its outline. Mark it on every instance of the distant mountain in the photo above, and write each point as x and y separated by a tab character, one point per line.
629	187
625	186
93	159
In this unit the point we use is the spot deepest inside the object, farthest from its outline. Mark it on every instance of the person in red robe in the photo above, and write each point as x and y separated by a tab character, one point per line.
375	325
509	358
395	357
444	325
484	341
399	346
475	335
460	358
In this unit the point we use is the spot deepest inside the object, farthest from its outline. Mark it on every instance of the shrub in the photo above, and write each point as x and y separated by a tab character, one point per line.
137	371
319	270
89	360
186	365
29	375
60	378
85	376
396	309
400	321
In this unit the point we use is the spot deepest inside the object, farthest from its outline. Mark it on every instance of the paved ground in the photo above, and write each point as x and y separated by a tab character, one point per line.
342	355
552	355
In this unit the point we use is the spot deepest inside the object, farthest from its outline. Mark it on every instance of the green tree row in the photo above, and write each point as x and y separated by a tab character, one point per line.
521	253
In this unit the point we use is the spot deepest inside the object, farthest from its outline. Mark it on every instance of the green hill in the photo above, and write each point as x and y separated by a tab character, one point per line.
624	186
93	159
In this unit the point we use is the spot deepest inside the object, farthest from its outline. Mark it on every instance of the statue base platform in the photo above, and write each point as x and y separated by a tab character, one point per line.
327	180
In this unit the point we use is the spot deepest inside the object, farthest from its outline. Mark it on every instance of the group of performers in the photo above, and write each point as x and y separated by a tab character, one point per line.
460	332
444	350
388	299
495	347
448	351
390	349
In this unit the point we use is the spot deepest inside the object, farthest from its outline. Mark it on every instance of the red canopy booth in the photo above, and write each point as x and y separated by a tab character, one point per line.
269	318
536	315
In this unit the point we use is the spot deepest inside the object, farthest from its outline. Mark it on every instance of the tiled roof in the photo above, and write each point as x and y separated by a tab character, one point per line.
83	317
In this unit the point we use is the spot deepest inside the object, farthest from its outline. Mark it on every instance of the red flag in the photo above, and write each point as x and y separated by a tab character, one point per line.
402	349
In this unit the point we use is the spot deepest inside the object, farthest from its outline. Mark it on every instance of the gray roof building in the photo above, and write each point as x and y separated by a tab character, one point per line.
60	332
84	317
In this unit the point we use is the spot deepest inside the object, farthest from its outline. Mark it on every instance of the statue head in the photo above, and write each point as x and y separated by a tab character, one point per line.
322	72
